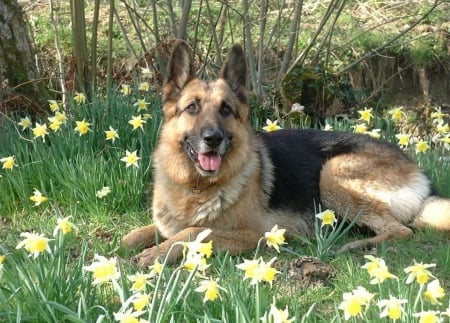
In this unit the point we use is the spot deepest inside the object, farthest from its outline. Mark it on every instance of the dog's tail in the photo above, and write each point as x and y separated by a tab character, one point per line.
435	213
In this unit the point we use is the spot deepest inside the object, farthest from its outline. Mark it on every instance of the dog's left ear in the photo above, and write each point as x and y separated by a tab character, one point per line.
234	72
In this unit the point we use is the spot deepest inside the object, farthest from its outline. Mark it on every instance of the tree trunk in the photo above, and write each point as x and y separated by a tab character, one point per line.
20	86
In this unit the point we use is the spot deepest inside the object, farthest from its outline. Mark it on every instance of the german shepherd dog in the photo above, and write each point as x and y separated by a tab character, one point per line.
212	170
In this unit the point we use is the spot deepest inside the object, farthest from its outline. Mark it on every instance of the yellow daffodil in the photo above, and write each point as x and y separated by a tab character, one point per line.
195	261
259	270
24	123
374	133
434	292
397	114
139	281
392	308
210	288
403	139
438	115
35	244
275	238
377	270
360	128
61	117
146	72
328	217
40	130
353	302
53	105
63	225
2	259
156	269
126	89
79	98
365	115
103	270
111	134
428	317
140	104
144	86
129	316
131	159
422	147
140	301
276	315
82	127
419	272
271	126
442	128
137	122
8	162
38	198
55	124
103	192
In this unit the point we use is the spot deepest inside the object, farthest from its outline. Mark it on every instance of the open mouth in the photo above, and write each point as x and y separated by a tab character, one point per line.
209	162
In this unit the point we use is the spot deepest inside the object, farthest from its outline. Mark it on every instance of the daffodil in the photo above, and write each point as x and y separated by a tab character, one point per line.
103	269
442	128
55	124
422	147
374	133
8	162
38	198
259	270
129	316
328	217
365	115
126	89
61	117
275	238
140	104
397	114
438	115
271	126
63	225
139	281
111	134
137	122
144	86
53	105
328	127
434	292
156	269
146	72
140	301
276	315
428	317
392	308
79	98
353	302
360	128
210	288
419	272
35	244
40	130
403	139
103	192
377	270
131	159
2	259
195	261
82	127
24	123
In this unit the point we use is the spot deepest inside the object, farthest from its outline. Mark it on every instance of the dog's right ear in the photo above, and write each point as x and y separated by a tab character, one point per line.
180	70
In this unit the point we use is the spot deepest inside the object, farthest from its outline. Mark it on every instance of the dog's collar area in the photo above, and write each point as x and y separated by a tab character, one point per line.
196	189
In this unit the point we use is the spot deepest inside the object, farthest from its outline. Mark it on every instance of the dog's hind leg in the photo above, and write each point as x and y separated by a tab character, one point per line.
387	199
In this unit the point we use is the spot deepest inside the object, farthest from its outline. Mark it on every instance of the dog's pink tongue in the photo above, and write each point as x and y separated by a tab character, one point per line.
209	162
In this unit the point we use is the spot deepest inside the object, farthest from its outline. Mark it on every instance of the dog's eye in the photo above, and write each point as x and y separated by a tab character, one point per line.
192	108
225	109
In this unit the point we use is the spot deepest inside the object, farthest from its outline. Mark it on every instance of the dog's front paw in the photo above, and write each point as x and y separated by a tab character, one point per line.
140	237
162	252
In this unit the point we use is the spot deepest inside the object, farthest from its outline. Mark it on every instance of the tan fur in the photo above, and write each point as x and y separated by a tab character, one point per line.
390	191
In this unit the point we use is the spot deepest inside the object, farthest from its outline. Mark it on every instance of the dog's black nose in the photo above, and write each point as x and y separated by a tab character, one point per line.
212	137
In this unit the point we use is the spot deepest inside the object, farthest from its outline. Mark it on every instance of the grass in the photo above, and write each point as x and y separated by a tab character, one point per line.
69	169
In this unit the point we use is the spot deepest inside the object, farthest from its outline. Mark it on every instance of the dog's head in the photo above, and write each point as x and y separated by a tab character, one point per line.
205	116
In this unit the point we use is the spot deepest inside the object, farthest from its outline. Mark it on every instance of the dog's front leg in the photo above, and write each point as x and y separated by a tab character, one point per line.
142	237
171	250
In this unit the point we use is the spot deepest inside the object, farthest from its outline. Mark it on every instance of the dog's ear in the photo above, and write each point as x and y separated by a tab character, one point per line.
234	72
180	70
